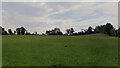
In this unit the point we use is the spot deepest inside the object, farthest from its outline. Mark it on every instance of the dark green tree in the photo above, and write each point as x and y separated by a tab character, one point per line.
108	28
55	31
113	32
118	32
4	32
69	31
89	31
10	32
18	31
22	31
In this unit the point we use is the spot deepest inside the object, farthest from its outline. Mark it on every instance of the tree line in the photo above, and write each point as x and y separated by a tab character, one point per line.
18	31
105	29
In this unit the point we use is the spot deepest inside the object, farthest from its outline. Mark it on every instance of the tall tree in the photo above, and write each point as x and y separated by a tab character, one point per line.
108	28
4	32
89	31
22	31
18	31
58	31
69	31
72	30
10	32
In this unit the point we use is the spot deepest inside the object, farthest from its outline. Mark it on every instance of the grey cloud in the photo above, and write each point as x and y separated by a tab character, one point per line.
37	16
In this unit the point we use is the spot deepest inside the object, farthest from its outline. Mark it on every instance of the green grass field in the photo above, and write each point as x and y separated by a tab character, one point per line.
86	50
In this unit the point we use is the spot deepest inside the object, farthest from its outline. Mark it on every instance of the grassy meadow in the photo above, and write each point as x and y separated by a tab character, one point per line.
86	50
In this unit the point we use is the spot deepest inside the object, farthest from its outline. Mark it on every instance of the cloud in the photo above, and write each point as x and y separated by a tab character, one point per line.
41	16
60	0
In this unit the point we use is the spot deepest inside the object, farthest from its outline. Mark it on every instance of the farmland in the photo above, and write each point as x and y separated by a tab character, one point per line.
85	50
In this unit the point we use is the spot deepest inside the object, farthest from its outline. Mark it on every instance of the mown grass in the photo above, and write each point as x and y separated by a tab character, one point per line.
86	50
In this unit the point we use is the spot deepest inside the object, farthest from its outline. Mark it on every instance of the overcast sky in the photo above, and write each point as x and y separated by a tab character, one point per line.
42	16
